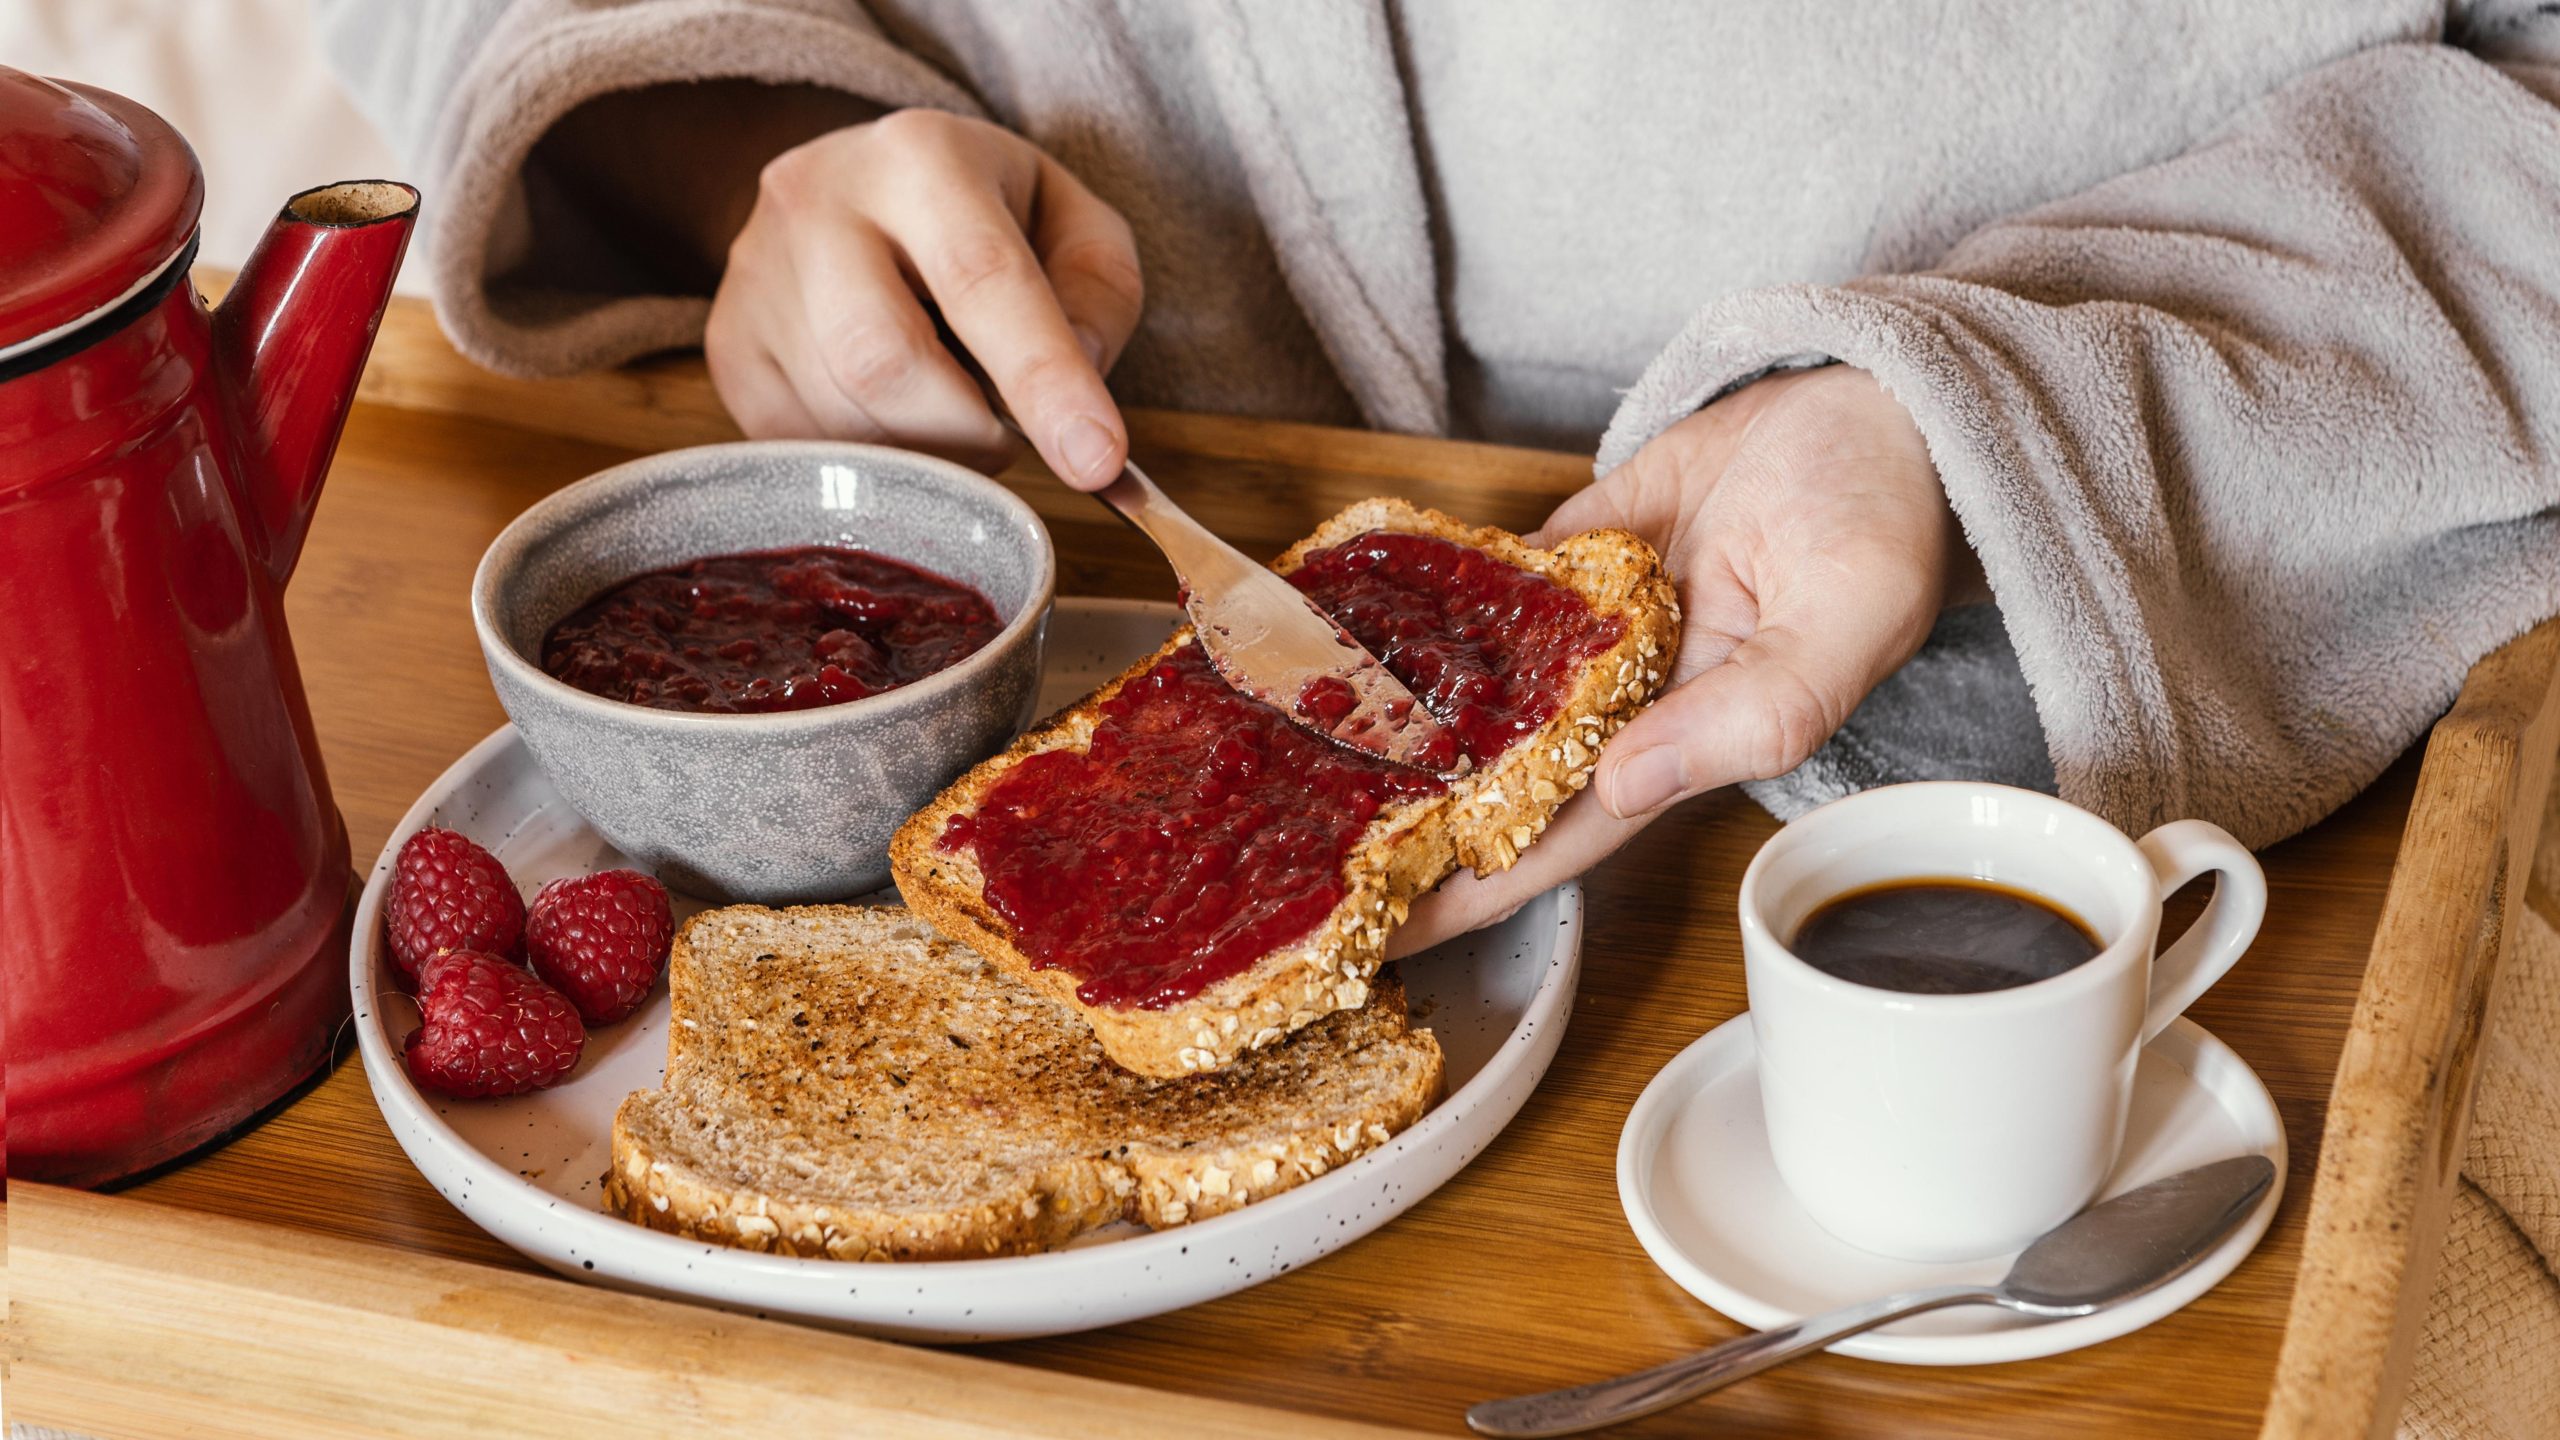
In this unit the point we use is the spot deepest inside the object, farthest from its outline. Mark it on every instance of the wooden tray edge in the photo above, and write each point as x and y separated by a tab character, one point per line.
339	1337
2400	1110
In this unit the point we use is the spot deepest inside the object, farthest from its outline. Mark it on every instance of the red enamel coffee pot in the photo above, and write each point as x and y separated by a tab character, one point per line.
173	874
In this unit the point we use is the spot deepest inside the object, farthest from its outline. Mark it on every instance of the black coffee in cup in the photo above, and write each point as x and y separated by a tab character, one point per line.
1943	937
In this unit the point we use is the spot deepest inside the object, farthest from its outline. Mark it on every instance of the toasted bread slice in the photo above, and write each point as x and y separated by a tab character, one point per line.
1483	821
843	1082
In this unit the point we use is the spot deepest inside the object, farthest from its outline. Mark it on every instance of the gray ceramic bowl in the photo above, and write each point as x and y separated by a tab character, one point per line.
788	807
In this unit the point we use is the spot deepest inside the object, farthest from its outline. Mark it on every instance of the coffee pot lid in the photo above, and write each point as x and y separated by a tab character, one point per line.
97	198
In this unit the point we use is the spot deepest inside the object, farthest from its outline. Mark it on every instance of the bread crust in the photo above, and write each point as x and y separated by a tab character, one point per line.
1483	821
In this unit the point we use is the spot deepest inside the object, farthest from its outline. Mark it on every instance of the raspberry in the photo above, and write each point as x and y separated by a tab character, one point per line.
602	939
491	1028
449	894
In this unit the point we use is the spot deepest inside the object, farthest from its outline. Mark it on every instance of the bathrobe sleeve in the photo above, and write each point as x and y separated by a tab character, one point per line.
524	282
2259	447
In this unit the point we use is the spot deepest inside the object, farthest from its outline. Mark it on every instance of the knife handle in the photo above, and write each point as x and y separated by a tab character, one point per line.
1200	559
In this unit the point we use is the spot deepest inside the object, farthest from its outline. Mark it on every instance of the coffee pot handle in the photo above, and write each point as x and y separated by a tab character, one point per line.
2179	852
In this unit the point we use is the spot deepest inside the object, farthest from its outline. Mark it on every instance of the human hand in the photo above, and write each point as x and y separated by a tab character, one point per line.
1813	548
821	323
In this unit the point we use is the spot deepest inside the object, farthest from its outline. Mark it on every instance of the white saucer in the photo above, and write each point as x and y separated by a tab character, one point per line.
1705	1198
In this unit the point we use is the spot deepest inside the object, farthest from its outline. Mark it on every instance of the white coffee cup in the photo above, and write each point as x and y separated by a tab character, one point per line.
1939	1127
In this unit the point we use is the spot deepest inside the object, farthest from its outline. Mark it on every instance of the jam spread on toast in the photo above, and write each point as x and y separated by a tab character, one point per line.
768	630
1201	830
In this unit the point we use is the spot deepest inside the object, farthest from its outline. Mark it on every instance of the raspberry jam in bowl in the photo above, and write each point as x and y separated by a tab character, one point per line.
745	664
768	630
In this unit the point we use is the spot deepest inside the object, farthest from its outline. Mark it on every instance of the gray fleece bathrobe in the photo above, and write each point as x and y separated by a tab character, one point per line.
2233	326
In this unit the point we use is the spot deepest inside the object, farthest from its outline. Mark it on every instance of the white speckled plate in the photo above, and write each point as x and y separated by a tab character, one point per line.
529	1170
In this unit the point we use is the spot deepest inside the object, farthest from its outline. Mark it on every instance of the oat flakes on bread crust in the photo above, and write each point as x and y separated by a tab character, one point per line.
1483	821
844	1083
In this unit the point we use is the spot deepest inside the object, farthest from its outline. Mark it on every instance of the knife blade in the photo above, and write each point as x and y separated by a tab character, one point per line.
1271	641
1264	636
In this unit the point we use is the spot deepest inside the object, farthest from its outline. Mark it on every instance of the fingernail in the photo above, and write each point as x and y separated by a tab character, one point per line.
1090	344
1086	447
1646	781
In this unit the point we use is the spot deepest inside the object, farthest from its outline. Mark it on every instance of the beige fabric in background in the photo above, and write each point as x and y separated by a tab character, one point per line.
2489	1356
241	79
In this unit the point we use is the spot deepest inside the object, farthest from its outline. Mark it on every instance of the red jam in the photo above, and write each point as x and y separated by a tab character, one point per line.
1486	647
770	630
1326	699
1201	829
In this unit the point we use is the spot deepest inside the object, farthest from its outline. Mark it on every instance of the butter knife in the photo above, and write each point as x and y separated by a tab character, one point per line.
1263	635
1271	642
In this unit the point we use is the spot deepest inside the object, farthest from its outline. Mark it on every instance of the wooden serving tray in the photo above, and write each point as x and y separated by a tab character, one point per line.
304	1281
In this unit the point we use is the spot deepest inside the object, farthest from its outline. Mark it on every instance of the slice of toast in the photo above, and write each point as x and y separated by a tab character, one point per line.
1484	820
843	1082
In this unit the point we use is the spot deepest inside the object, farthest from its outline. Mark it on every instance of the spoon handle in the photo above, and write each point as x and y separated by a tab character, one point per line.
1630	1397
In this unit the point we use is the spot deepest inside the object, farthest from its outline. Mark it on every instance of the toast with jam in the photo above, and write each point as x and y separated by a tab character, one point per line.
1198	878
842	1082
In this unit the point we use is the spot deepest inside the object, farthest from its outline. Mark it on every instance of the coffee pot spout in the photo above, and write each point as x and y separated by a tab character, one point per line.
290	341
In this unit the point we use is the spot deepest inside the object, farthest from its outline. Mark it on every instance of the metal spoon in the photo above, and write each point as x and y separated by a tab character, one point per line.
2108	1253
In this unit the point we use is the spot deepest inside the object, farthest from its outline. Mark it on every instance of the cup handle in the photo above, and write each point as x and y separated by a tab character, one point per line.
2179	852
